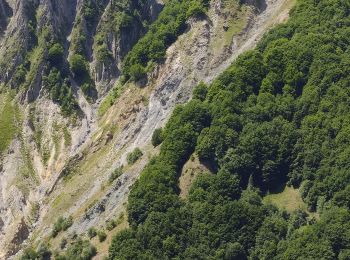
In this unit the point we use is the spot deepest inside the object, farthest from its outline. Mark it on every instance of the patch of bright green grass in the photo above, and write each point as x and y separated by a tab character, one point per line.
7	123
289	199
110	99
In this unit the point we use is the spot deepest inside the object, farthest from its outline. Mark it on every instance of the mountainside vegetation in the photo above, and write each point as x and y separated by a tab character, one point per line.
278	116
47	52
98	160
162	33
8	119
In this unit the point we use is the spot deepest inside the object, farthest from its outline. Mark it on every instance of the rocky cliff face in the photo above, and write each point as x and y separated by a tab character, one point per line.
5	14
119	43
59	166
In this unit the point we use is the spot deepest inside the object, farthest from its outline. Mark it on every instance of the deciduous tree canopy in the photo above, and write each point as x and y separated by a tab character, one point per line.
279	115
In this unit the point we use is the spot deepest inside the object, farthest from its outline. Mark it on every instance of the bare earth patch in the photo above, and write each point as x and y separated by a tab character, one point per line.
189	173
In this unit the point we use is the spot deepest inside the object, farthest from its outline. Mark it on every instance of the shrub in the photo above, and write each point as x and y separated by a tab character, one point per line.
134	156
115	174
110	225
137	72
29	253
67	223
88	88
19	76
196	9
60	90
101	235
200	92
92	232
62	224
78	66
63	243
120	219
103	53
157	137
42	252
55	54
80	249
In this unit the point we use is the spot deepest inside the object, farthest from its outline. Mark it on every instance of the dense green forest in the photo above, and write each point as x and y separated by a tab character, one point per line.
278	116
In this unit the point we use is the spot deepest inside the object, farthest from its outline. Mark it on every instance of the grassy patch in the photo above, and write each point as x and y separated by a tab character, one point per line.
110	99
7	123
234	24
289	199
102	247
67	136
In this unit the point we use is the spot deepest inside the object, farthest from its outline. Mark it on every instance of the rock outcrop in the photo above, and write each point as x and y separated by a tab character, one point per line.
5	14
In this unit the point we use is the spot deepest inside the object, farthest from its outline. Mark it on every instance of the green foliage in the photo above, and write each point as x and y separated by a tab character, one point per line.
110	225
324	240
272	230
134	156
48	55
90	12
63	243
42	53
209	188
79	250
200	92
124	245
92	232
162	33
86	21
101	235
119	17
55	54
113	95
15	50
232	251
62	224
78	66
41	253
115	174
60	91
29	254
157	137
103	53
7	123
19	77
136	72
277	115
157	187
196	8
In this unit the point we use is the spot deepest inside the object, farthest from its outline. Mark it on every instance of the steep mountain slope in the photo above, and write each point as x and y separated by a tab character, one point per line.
69	138
277	116
45	138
